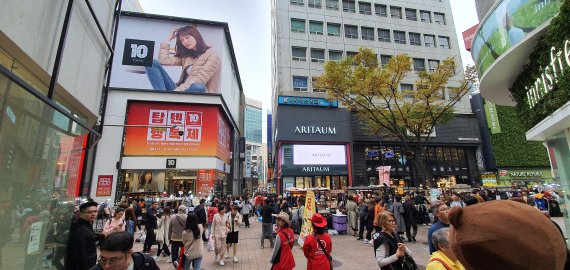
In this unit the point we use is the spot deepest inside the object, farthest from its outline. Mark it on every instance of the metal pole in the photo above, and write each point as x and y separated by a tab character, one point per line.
59	54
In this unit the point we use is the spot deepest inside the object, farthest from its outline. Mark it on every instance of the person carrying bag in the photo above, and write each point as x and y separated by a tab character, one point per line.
318	246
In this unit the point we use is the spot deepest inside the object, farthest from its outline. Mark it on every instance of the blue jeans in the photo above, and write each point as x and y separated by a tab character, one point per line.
197	262
131	227
160	80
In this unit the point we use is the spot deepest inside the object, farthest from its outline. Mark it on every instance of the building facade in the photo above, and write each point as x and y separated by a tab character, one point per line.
253	166
306	33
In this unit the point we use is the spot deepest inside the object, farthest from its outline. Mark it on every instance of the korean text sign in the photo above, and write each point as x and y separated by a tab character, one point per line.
104	185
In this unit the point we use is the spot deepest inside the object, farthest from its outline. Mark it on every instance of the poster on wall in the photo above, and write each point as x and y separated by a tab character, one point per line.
307	215
104	185
169	56
147	181
206	181
384	175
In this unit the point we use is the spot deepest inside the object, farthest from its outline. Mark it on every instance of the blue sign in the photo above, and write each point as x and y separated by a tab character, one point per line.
307	101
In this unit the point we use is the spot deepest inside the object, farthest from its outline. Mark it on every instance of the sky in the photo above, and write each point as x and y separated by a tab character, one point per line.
250	28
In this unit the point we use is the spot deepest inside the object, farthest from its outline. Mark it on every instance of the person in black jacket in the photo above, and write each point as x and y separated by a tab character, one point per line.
82	247
266	222
117	254
200	211
150	226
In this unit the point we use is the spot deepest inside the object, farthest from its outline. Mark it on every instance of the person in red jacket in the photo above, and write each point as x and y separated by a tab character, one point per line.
317	258
282	257
212	210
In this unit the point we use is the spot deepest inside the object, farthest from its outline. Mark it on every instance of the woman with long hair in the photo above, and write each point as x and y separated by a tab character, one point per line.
193	243
220	227
233	232
389	248
146	182
130	220
115	224
200	64
162	239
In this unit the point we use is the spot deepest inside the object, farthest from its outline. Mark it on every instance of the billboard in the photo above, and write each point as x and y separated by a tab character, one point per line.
104	185
165	55
171	129
319	154
506	26
468	37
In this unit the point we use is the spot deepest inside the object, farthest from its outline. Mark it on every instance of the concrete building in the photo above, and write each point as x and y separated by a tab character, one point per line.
253	166
305	34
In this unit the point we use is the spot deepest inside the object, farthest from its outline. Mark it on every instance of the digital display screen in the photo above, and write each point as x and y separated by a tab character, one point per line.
319	155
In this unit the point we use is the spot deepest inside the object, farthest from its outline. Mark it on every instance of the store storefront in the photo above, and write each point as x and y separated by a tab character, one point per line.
524	177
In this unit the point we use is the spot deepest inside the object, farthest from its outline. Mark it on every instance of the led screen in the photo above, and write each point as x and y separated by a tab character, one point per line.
319	155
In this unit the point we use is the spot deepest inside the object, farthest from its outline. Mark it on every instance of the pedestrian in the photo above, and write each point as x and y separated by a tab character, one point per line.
318	246
220	226
233	233
130	221
282	256
364	219
177	227
82	247
117	254
138	213
193	243
389	248
443	258
378	208
163	238
440	210
456	200
267	223
245	210
351	210
115	224
398	211
150	225
410	215
212	210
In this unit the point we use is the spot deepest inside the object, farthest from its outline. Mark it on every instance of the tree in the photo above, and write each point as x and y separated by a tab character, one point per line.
371	91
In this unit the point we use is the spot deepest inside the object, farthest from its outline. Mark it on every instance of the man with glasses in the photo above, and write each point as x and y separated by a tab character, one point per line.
440	210
117	254
82	249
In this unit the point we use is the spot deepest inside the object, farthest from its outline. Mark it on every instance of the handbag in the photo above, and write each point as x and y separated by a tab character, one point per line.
324	251
408	263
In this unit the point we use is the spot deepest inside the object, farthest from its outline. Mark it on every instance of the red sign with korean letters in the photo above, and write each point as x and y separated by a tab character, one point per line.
104	185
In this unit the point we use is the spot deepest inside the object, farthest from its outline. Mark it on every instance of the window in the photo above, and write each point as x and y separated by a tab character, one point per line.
396	12
314	3
443	42
298	2
381	10
333	29
429	40
425	16
384	59
411	14
332	4
400	37
318	55
314	85
439	18
348	6
365	8
407	90
298	25
384	35
299	53
335	55
415	39
316	27
419	64
367	33
432	64
350	31
300	83
352	55
452	92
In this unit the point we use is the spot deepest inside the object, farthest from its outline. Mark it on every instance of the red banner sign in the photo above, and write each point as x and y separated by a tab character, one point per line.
104	185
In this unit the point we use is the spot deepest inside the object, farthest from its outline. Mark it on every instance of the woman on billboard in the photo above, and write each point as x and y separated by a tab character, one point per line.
200	64
146	184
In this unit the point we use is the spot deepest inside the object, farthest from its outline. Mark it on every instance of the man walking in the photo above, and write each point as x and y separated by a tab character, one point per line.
177	227
267	223
150	226
200	211
117	254
82	248
440	210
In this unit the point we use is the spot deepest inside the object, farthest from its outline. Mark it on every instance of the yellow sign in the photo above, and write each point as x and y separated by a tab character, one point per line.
307	215
401	190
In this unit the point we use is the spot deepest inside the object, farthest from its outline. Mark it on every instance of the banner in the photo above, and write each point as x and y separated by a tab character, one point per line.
492	117
307	215
205	182
104	185
384	175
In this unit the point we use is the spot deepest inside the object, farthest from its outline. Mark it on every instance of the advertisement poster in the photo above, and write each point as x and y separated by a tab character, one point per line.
163	129
35	237
205	182
104	185
307	215
434	193
492	117
168	56
384	175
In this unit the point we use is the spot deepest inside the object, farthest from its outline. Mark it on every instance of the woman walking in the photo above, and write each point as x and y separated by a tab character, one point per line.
131	221
193	243
282	257
245	210
233	234
352	209
162	239
389	248
318	246
115	224
398	210
220	227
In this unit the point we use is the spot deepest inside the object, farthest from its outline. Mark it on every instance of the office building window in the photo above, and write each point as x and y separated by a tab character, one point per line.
396	12
335	55
383	35
300	83
318	55
314	85
439	18
407	90
443	42
298	2
316	27
367	33
333	29
298	25
365	8
314	3
419	64
411	14
351	31
452	92
299	53
415	39
332	4
400	37
353	56
348	6
432	65
381	10
429	40
384	59
425	16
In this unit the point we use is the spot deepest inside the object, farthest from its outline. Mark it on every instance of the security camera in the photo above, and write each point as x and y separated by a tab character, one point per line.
180	133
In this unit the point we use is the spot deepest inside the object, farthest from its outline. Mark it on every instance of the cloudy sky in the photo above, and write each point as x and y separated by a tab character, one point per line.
250	27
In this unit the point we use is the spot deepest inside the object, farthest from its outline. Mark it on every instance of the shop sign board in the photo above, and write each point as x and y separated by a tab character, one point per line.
307	215
531	174
306	101
205	182
492	117
170	163
489	180
104	185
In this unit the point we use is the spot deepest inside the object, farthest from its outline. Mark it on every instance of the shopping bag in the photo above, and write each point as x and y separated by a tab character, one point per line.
211	243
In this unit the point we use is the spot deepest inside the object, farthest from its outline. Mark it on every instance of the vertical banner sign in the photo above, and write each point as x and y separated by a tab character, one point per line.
307	215
492	118
384	175
104	185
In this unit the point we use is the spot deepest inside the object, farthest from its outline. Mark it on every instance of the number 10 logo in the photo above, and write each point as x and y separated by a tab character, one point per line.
138	52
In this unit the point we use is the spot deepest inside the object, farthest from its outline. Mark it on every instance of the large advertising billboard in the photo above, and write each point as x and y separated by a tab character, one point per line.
506	26
168	56
170	129
319	154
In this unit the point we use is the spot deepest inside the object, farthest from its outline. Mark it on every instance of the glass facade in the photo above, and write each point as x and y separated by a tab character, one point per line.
559	146
253	125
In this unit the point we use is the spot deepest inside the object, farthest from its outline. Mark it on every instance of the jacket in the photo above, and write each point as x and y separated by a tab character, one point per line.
164	229
377	209
220	224
151	219
234	225
141	262
81	249
317	260
113	225
193	248
284	243
177	226
200	211
435	262
205	68
211	212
